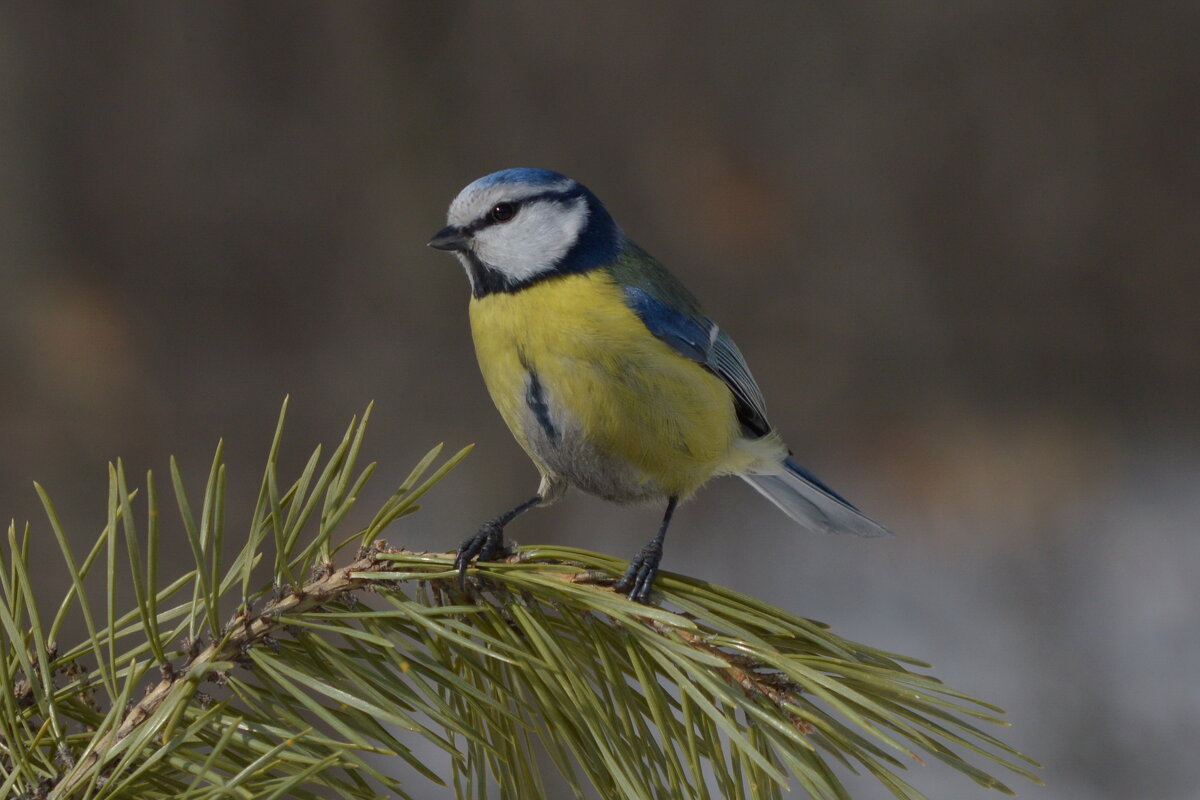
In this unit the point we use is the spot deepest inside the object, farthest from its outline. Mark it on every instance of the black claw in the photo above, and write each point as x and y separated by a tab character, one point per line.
489	541
639	578
483	546
493	546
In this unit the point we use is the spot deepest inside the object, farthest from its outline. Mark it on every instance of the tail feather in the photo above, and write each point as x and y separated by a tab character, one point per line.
806	499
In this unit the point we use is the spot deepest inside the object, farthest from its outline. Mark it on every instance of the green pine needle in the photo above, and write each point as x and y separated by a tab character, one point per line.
325	675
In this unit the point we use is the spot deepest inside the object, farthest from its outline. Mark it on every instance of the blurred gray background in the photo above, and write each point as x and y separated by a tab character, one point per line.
956	241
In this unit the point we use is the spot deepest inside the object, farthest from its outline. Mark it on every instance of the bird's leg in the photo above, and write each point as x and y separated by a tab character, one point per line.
638	579
489	540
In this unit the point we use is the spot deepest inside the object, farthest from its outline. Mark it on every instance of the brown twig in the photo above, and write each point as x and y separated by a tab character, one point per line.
246	630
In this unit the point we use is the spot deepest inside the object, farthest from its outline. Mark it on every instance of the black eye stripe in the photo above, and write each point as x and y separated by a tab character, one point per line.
486	221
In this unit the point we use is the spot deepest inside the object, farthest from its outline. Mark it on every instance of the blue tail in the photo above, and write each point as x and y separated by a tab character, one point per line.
805	498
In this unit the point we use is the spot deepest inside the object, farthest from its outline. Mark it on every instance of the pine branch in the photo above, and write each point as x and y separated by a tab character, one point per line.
244	631
706	693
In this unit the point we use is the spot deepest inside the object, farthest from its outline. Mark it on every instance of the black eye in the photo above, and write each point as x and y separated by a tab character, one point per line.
502	212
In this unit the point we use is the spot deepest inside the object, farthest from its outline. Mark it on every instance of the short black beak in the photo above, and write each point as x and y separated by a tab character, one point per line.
449	238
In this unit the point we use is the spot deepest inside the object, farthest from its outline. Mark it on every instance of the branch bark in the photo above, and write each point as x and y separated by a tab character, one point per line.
244	630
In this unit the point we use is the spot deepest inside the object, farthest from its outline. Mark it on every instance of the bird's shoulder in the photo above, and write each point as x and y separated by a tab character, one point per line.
674	315
636	269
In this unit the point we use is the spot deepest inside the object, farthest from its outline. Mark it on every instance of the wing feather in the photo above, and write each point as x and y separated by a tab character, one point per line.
700	339
672	314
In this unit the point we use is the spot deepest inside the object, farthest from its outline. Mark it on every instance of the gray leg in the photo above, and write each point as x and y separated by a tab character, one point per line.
638	579
489	540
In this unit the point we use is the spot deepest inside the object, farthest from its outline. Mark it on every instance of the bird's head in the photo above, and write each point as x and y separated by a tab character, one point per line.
513	227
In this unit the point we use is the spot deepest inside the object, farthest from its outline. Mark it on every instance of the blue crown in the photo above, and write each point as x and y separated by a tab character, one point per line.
526	175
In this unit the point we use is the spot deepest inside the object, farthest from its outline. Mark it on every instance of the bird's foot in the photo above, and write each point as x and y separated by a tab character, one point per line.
483	546
638	579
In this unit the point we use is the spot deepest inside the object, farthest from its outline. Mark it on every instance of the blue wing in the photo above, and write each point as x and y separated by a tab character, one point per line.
701	340
670	312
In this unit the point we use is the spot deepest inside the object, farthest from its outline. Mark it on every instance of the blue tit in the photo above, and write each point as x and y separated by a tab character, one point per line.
606	369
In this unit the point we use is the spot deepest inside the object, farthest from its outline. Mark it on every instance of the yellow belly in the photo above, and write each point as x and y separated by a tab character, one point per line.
633	418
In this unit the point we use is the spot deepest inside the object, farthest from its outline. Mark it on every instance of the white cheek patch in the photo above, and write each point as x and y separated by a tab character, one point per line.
534	241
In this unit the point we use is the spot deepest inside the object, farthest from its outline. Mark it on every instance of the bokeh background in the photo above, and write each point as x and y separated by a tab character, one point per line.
957	241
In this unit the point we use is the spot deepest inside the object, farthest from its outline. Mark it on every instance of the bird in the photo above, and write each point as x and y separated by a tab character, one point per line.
607	370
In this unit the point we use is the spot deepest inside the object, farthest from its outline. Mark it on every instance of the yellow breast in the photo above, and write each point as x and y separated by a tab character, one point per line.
633	418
